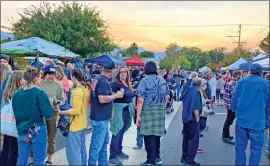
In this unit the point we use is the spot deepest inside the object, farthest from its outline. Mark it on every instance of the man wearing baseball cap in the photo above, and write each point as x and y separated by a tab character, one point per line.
101	113
250	102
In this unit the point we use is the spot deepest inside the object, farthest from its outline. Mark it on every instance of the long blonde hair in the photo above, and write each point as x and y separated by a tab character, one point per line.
59	72
13	85
4	70
117	77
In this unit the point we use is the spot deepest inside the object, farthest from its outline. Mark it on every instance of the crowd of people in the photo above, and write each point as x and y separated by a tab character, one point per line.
37	102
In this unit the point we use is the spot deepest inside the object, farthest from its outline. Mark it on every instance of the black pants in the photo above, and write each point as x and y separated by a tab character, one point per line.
190	141
152	147
229	121
9	153
203	121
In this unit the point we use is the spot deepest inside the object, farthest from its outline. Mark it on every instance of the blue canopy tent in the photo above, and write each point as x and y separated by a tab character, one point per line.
36	46
264	63
105	59
235	65
245	66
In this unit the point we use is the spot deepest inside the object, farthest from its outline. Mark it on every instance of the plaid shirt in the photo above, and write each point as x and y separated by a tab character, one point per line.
229	87
153	120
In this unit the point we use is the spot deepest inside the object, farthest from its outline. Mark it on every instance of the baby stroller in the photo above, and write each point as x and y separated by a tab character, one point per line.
169	107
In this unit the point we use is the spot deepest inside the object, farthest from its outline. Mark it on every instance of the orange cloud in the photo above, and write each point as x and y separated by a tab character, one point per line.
173	13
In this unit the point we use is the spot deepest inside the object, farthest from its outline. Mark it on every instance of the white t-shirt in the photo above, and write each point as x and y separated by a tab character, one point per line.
213	85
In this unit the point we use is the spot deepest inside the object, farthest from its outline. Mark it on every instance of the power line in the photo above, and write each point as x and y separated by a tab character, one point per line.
184	26
253	47
260	25
175	26
254	13
258	33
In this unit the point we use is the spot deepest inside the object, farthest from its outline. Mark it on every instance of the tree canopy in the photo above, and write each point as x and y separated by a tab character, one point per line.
76	26
147	54
264	44
132	50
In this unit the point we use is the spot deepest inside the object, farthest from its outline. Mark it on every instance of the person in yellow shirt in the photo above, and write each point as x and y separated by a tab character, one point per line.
75	145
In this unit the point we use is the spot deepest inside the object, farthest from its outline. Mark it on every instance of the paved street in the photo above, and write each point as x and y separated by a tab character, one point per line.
215	151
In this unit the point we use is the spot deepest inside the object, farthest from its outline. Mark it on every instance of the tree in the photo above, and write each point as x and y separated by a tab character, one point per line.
217	54
133	49
75	26
171	49
165	63
264	44
179	60
147	54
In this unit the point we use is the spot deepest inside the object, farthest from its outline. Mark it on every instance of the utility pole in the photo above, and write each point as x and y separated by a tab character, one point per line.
239	39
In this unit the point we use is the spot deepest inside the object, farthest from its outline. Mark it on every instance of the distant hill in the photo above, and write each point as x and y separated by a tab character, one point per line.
5	35
158	54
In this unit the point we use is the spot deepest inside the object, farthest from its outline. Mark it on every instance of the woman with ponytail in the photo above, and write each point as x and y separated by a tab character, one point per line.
31	106
75	145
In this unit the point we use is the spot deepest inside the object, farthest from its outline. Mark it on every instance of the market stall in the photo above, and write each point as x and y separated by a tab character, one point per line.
235	65
105	59
36	46
134	61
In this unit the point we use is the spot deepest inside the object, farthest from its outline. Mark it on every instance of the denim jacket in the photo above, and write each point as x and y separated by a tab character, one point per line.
250	102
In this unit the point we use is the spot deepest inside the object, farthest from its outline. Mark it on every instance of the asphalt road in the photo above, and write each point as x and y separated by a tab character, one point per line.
215	151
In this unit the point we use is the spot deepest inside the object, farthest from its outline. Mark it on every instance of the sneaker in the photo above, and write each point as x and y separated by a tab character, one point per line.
137	147
228	141
193	164
48	163
267	156
200	150
123	156
145	164
115	162
183	161
158	161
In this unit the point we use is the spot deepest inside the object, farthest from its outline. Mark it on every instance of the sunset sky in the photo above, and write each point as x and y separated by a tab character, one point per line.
122	16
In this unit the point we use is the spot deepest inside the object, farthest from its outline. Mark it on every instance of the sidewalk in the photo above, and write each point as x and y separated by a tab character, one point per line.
135	156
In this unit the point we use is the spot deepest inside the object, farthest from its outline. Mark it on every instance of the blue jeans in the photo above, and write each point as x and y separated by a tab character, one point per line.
178	88
139	137
99	141
267	143
117	140
75	148
38	144
68	96
242	135
89	113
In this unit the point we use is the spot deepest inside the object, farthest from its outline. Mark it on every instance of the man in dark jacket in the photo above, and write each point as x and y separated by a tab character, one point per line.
192	108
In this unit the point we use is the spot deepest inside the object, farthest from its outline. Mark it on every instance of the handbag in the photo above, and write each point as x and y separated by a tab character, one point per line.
8	121
64	125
